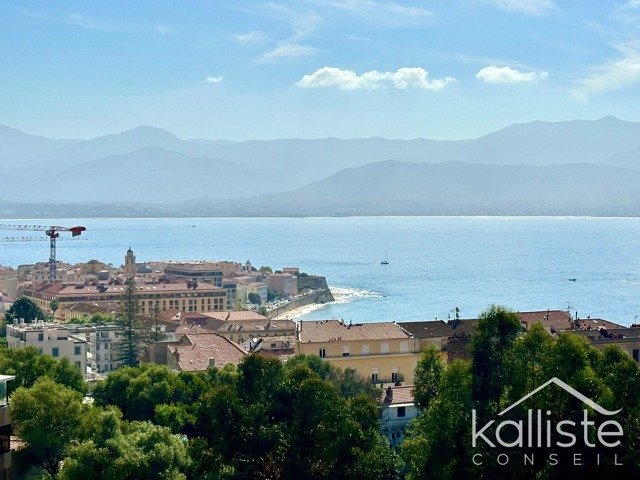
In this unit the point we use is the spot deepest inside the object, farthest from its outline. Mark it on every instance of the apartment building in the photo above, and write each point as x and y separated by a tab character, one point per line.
185	296
51	339
5	429
207	272
283	283
102	341
380	352
397	409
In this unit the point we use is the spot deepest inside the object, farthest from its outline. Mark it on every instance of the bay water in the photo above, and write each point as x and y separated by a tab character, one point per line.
588	265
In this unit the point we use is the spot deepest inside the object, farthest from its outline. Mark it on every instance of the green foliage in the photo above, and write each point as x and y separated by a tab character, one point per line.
493	338
135	450
265	269
254	298
133	335
49	417
506	365
137	391
271	295
439	439
24	308
263	311
427	376
96	318
28	365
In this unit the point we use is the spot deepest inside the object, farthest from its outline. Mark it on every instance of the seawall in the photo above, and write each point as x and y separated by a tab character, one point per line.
321	296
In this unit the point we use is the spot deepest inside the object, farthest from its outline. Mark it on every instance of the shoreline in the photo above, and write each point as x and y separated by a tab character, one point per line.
340	295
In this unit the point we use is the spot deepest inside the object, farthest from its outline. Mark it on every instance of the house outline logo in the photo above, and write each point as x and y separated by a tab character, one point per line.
540	429
568	388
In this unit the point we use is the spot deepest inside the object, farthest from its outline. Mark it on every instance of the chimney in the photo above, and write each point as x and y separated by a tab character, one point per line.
388	397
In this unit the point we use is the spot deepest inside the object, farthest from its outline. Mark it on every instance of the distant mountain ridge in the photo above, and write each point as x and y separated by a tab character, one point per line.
407	188
149	165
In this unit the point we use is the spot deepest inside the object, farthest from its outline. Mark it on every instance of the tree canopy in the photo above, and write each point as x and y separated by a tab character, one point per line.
26	309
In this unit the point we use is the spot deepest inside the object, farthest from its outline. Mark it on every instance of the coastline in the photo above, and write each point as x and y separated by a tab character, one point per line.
340	295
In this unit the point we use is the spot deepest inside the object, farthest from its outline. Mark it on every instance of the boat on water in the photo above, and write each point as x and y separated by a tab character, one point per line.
384	262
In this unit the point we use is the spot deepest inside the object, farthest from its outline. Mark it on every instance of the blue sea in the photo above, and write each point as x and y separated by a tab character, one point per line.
435	263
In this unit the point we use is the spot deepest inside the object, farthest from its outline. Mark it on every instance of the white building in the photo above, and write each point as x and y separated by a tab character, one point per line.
397	409
102	341
243	291
283	283
51	339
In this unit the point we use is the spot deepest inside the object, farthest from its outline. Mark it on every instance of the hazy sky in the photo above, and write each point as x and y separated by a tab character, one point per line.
315	68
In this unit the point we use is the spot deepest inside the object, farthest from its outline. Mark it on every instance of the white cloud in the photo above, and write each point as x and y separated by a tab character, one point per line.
403	78
628	13
527	7
165	29
303	23
254	37
288	50
84	22
380	13
493	74
613	75
214	80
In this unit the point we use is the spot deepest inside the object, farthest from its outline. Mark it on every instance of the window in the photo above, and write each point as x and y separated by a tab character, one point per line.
106	346
636	354
346	350
77	350
402	412
365	349
404	347
374	378
40	337
395	376
384	347
322	353
55	352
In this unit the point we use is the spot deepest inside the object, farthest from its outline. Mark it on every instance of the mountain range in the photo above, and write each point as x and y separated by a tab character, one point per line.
579	167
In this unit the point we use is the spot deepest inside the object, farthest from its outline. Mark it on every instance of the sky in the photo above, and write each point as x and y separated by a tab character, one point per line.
443	69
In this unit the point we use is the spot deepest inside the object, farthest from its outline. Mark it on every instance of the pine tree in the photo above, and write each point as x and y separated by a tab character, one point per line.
132	334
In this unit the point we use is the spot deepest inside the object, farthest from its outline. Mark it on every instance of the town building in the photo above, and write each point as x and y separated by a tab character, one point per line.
284	284
103	341
628	339
380	352
185	296
5	428
207	272
130	263
8	282
397	409
197	352
243	291
51	339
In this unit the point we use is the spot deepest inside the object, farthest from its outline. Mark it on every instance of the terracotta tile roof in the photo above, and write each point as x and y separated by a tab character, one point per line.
551	320
596	323
237	316
323	331
616	333
427	328
190	329
401	394
60	289
201	349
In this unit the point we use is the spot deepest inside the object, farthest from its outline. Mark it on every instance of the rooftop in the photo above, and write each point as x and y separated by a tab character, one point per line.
324	331
201	350
399	395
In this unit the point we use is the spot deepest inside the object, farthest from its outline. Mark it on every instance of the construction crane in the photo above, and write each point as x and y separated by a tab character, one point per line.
53	232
